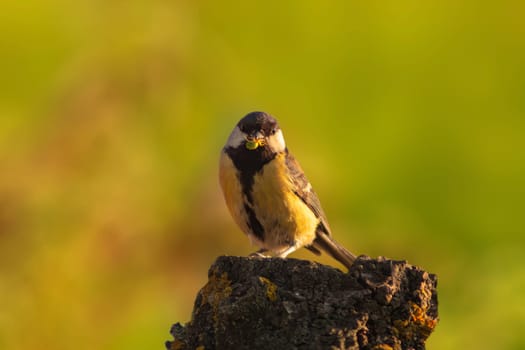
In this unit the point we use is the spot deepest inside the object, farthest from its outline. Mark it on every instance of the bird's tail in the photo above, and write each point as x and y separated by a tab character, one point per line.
327	244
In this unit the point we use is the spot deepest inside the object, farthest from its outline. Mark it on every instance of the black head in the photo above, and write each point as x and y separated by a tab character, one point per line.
257	130
255	122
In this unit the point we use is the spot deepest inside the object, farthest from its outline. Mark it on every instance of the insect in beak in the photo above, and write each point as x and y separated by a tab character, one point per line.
255	141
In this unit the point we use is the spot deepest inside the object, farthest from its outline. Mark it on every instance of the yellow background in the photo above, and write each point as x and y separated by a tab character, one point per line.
408	117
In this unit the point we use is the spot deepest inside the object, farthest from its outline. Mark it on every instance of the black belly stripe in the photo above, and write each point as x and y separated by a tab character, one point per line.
254	224
246	179
249	163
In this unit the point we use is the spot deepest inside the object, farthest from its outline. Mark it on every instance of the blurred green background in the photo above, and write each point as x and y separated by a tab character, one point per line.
408	117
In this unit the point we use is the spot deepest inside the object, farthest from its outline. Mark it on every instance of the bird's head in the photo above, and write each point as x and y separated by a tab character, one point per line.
255	131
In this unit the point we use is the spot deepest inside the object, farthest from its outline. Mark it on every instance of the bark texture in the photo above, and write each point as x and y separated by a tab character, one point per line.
272	303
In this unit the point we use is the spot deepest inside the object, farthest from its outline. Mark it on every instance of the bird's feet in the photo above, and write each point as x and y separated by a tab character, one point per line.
288	250
259	253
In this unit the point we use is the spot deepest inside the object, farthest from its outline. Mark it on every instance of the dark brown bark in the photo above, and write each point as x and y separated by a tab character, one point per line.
272	303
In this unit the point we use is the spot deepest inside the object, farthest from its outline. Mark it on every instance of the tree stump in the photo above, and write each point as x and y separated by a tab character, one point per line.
273	303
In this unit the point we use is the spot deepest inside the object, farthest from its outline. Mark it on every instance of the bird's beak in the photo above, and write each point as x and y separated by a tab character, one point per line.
254	141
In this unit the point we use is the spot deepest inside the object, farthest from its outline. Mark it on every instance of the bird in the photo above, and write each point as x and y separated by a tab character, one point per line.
268	194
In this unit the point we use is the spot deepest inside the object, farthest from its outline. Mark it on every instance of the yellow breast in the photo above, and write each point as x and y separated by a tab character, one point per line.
285	217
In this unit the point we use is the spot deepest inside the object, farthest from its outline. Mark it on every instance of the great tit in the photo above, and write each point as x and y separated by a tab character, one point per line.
268	194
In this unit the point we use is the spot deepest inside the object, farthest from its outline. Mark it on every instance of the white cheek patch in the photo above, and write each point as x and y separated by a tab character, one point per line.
236	138
276	142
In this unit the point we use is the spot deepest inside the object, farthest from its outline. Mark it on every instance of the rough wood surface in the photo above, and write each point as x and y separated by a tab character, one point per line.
272	303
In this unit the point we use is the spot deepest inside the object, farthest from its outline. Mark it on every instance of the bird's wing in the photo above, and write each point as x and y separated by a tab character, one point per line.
303	189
